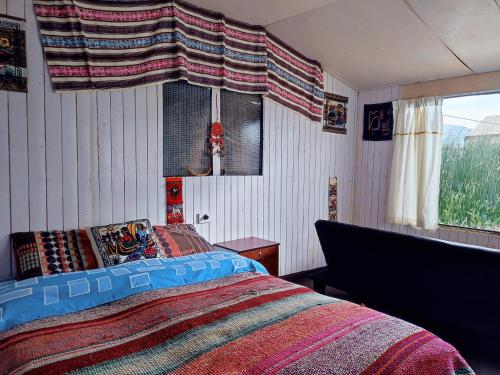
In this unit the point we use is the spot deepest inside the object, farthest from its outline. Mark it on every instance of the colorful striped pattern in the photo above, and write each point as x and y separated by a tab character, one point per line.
243	324
294	80
110	44
114	44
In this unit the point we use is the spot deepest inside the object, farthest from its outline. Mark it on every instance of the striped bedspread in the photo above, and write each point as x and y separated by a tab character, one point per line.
247	323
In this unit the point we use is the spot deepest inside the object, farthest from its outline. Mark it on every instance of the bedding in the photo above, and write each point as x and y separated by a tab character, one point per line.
51	252
180	239
210	313
124	242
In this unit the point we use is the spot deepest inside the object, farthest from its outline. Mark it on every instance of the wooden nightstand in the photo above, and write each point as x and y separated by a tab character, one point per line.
264	251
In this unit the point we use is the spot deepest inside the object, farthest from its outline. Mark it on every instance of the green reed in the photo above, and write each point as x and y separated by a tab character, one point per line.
470	184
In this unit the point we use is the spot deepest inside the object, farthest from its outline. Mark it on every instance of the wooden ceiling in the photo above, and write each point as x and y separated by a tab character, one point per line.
372	43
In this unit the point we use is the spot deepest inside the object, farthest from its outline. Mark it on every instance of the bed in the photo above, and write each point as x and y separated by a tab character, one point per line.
208	313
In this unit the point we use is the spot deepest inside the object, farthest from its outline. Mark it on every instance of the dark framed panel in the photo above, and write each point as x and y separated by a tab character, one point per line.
187	116
242	118
335	113
378	122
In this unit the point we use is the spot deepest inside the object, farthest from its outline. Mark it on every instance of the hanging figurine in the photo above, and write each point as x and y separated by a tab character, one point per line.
216	142
216	139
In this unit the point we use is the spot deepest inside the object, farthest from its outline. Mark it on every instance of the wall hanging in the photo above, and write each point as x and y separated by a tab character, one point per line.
332	199
335	113
13	76
175	212
294	80
378	122
216	139
113	44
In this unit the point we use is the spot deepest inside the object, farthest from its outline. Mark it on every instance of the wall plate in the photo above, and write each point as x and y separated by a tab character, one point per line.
203	217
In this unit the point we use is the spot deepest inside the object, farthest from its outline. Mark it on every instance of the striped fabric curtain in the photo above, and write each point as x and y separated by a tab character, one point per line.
294	80
107	44
115	44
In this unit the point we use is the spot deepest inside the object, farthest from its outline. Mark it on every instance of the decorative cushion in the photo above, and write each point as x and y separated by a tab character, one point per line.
49	253
124	242
180	239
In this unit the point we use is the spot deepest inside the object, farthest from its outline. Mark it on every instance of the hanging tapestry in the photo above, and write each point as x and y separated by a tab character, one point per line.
12	54
116	44
378	122
335	113
113	44
175	212
294	80
332	199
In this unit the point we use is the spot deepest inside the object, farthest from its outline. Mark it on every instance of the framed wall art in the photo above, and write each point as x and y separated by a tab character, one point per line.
335	113
13	75
378	122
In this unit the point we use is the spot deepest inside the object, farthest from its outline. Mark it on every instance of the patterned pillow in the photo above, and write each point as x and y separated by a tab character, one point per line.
180	239
124	242
49	253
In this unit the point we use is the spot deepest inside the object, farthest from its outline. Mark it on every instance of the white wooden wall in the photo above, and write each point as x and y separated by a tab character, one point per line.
283	204
373	161
75	160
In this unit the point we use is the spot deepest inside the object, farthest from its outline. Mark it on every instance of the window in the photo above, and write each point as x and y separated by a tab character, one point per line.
470	172
241	116
188	113
187	117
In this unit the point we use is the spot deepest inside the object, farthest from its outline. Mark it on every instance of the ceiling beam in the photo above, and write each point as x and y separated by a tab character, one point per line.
474	83
407	2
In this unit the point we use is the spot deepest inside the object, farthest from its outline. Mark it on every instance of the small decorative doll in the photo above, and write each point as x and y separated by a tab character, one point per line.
216	139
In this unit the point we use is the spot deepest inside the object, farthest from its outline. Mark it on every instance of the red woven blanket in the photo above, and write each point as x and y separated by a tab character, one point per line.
244	324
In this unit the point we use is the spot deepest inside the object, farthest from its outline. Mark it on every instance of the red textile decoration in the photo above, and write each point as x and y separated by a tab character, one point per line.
216	139
175	212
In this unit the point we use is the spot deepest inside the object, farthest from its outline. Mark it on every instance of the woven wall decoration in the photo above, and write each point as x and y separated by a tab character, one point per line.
13	72
175	211
332	199
335	113
294	80
378	121
113	44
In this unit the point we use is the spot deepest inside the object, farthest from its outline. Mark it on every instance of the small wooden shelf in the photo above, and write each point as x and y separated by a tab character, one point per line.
264	251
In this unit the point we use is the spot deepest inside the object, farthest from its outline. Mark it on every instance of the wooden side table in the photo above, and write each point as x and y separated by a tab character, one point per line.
264	251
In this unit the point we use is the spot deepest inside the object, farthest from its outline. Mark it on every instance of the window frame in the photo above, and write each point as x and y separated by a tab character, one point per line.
469	229
177	162
458	227
216	163
261	148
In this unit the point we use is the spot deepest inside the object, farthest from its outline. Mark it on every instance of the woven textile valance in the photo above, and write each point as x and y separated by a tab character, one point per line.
115	44
294	80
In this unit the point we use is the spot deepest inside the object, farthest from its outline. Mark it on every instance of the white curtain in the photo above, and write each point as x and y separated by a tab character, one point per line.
416	162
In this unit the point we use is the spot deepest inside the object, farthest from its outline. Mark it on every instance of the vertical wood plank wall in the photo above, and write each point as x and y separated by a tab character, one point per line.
78	159
373	162
283	204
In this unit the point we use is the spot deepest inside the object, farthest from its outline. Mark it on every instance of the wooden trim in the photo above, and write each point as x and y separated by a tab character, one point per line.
418	133
13	18
469	229
242	245
473	83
